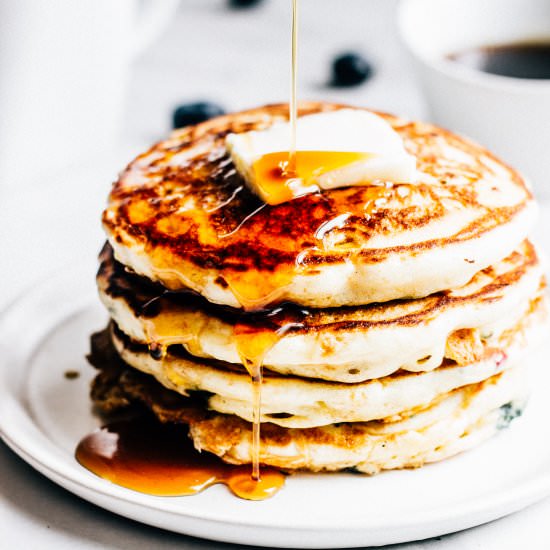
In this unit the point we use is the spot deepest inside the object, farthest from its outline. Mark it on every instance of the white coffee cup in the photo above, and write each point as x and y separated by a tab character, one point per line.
511	116
64	67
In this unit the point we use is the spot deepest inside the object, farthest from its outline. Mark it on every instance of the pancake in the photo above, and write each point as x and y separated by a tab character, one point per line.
455	422
179	214
458	422
350	344
296	402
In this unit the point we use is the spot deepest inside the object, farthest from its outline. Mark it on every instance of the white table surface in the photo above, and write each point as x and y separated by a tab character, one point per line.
238	59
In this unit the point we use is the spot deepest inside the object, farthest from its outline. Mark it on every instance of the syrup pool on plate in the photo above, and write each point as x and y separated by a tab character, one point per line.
142	454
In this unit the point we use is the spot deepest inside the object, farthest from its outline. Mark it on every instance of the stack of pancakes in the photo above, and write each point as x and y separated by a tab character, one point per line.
392	320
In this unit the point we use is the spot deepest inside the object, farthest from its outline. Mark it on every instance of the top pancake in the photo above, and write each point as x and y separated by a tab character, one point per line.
180	215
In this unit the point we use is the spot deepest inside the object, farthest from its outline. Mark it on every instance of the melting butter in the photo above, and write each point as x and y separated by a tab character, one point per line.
335	149
277	183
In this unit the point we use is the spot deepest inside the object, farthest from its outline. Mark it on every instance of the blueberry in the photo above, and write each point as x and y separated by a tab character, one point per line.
193	113
350	69
243	3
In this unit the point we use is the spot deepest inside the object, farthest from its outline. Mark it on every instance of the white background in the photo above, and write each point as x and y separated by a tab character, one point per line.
239	59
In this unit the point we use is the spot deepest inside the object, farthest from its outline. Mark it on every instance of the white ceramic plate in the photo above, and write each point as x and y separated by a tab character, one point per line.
43	415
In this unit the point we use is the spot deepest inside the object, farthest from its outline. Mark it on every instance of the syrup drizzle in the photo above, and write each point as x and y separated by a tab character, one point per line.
142	454
254	340
291	167
252	345
254	291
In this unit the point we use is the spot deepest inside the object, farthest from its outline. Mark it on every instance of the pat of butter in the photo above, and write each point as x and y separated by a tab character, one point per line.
336	149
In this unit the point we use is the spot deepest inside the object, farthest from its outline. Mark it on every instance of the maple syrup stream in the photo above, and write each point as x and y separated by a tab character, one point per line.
291	168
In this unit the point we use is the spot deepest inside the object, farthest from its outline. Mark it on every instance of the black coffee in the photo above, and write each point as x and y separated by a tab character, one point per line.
515	60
